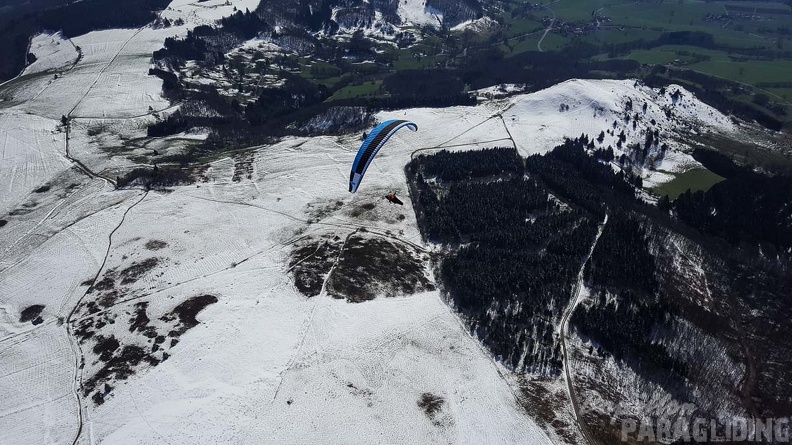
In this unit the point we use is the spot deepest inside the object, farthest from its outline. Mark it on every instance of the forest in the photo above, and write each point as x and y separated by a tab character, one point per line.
721	210
521	250
518	249
507	262
626	324
208	44
574	175
515	233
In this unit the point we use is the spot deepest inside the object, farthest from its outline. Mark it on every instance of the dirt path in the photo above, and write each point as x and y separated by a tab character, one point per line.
564	328
82	167
69	116
506	127
73	342
444	145
549	27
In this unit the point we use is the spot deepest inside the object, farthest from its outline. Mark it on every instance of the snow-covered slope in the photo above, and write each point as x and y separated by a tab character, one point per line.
417	13
264	364
52	52
205	12
29	156
537	123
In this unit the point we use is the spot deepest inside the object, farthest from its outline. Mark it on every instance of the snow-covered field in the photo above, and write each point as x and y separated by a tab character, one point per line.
416	12
52	52
595	106
536	123
30	155
265	364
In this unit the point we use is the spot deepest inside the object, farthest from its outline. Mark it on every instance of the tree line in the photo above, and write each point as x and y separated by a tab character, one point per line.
520	249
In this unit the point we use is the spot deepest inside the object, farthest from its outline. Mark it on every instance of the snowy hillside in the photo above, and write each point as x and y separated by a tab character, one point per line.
418	13
235	375
117	349
262	350
52	52
541	120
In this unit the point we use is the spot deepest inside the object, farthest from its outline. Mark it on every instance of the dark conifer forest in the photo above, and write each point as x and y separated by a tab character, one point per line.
520	248
516	233
721	210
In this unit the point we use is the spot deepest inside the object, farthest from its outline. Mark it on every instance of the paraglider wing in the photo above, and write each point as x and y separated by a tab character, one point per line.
378	137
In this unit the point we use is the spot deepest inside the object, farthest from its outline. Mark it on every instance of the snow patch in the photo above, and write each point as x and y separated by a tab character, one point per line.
52	52
416	12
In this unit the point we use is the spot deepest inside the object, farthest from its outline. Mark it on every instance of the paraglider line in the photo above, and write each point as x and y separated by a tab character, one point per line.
506	127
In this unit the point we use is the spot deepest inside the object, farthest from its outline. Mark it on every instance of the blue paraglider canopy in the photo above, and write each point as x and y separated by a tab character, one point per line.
371	146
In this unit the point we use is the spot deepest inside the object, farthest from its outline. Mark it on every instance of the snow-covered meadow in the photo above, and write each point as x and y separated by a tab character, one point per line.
266	364
52	52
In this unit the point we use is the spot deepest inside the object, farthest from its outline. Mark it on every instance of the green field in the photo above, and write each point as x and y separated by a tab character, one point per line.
551	42
320	70
521	45
749	71
330	82
419	57
408	61
518	27
365	89
784	93
693	180
615	35
736	67
666	16
631	21
576	10
681	15
654	56
778	8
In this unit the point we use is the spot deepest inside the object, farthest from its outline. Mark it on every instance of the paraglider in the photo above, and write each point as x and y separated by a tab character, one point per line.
392	198
371	146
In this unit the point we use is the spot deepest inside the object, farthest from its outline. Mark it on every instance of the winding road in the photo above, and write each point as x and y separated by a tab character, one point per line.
73	342
563	330
549	27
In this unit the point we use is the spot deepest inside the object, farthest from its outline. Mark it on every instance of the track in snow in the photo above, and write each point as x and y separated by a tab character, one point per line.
308	322
564	327
73	342
74	160
444	145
